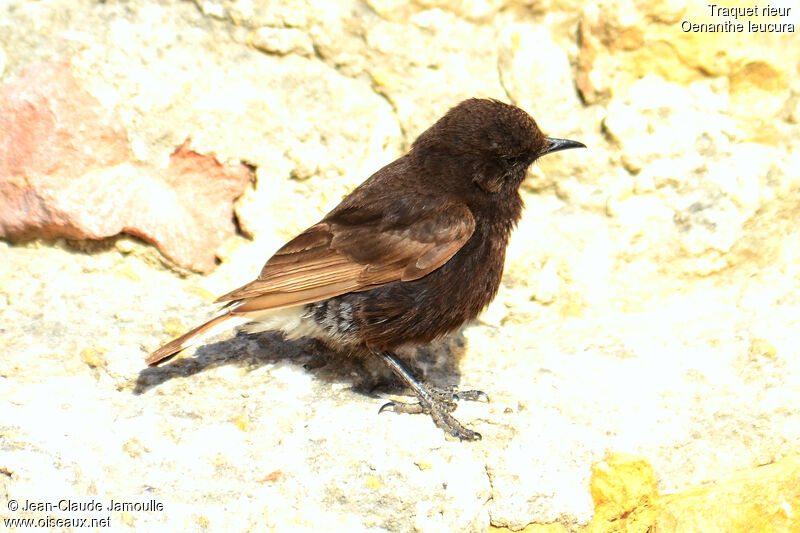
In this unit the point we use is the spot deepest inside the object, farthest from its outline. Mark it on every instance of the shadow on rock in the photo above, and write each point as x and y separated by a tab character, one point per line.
436	363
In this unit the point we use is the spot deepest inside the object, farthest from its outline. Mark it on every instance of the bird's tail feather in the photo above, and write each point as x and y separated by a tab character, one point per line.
213	326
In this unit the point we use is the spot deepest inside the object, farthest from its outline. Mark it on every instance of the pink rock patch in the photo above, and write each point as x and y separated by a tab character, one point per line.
65	171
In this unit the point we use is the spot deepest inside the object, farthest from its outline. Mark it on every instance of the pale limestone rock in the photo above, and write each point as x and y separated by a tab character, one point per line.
426	69
622	41
475	10
537	75
258	13
282	41
546	288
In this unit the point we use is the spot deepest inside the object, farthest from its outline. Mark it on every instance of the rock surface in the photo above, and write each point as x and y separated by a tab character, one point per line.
641	355
66	171
626	497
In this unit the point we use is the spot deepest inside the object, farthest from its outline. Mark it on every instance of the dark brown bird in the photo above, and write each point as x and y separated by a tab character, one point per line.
410	255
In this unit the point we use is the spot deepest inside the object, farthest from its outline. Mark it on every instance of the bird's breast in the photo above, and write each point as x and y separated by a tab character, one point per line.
472	276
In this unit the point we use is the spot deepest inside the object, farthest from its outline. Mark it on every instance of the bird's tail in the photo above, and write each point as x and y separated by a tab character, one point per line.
213	326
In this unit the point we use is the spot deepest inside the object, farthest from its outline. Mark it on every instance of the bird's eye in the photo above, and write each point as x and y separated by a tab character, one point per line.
513	161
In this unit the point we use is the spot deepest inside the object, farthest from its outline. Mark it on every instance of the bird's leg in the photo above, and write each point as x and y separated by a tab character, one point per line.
438	402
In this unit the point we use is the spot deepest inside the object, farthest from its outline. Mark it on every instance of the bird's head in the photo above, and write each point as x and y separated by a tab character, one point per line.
494	143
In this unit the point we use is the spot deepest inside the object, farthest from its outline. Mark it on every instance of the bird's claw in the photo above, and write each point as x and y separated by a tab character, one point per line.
444	403
452	394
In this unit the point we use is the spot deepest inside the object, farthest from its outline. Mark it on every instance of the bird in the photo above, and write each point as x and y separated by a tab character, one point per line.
410	255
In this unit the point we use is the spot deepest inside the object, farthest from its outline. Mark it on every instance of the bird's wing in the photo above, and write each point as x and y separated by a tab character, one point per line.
357	249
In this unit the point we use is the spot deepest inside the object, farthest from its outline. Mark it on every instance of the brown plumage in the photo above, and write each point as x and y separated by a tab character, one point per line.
410	255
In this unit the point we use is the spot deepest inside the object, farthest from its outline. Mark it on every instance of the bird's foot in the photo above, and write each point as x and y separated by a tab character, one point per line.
439	403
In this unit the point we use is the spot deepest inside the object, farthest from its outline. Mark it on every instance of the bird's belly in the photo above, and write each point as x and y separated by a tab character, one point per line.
418	311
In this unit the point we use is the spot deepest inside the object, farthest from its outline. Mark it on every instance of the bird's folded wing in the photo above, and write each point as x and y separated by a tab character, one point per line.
346	253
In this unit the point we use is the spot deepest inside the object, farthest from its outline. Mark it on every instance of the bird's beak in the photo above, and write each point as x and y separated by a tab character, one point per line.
556	145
